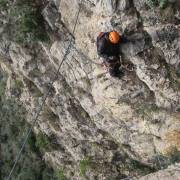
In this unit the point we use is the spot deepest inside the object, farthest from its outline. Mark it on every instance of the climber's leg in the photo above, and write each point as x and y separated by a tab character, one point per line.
115	71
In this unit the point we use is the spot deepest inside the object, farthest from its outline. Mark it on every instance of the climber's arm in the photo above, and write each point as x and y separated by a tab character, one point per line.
101	48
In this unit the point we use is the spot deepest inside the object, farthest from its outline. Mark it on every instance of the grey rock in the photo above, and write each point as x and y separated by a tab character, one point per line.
167	39
135	44
139	4
106	7
116	123
172	1
123	5
51	15
171	173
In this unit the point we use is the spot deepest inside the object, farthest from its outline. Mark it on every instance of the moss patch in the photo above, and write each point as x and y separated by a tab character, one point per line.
83	166
60	175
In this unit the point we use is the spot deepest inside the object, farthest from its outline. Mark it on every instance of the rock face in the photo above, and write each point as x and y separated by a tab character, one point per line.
113	128
171	172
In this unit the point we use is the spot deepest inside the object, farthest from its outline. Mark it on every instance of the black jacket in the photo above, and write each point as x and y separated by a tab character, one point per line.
105	48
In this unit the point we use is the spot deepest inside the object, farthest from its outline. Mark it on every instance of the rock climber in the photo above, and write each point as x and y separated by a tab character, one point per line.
108	49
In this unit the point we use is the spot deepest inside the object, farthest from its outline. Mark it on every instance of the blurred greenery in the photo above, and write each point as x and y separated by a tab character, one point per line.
13	128
154	3
26	24
60	174
163	3
43	143
165	161
3	3
84	165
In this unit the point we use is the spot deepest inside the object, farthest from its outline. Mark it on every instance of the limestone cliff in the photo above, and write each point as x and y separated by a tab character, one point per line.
107	128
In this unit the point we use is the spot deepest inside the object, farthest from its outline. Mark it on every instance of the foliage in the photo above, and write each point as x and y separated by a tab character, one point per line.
2	85
174	79
125	164
165	161
18	85
139	168
84	165
46	143
163	3
60	175
3	3
31	143
175	157
146	110
13	128
42	142
26	24
154	3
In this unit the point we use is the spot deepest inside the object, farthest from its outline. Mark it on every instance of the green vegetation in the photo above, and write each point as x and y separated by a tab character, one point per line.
163	3
175	157
26	24
154	3
3	3
84	165
174	79
146	110
43	143
125	164
60	175
2	86
178	71
168	160
18	85
139	168
13	128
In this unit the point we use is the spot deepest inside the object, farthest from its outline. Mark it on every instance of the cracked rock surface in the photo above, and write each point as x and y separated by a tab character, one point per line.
120	126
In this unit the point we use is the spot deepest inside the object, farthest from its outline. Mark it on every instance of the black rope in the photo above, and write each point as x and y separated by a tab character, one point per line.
44	100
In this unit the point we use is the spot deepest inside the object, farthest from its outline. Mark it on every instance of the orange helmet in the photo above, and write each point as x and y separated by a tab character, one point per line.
114	37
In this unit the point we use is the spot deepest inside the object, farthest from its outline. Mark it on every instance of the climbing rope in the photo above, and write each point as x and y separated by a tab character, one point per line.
44	100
